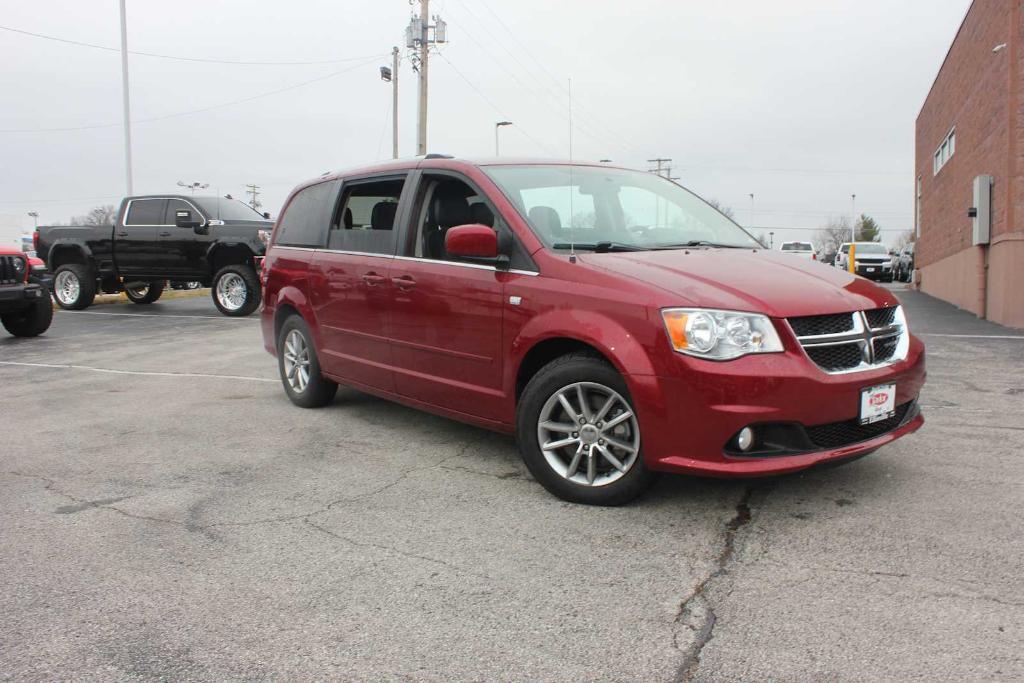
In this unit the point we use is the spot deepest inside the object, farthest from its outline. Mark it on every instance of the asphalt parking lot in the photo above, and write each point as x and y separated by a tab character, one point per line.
166	513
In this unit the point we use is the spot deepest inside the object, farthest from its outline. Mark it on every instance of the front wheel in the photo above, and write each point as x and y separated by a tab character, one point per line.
145	293
236	290
579	434
74	286
299	366
31	322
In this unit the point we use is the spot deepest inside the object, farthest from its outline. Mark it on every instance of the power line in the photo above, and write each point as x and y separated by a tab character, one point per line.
493	106
179	58
243	100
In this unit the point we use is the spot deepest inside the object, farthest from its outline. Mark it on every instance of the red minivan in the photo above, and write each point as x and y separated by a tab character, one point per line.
613	321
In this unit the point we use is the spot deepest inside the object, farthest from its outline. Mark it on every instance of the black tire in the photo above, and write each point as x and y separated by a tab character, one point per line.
86	281
319	391
146	295
31	322
252	294
551	379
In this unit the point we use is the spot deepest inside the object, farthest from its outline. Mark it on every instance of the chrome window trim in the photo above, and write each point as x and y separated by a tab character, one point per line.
457	264
864	336
128	206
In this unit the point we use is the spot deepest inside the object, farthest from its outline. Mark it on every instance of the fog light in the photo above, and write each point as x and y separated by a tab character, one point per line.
745	439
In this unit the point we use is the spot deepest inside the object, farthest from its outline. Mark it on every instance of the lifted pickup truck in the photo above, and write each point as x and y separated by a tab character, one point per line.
214	240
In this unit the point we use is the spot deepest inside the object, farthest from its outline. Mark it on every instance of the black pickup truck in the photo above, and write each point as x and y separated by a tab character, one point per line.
214	240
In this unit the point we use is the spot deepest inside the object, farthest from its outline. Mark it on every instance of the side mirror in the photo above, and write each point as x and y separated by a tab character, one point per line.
184	219
266	214
472	241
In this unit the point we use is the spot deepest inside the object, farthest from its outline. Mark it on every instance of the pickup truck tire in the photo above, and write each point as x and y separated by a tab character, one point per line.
31	322
146	294
581	402
236	290
299	366
74	286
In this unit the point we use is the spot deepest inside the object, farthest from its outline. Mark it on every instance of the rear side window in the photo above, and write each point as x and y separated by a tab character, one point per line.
305	221
146	212
365	220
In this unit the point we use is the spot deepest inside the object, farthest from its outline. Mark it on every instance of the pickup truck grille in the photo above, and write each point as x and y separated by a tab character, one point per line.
8	273
852	342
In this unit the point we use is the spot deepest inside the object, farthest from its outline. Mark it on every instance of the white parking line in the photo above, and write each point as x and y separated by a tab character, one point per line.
162	315
970	336
112	371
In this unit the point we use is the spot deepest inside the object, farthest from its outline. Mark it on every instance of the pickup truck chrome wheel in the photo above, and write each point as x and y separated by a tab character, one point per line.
296	361
66	287
588	434
232	291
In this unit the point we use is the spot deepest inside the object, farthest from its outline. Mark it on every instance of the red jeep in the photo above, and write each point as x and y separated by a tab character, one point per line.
25	307
611	319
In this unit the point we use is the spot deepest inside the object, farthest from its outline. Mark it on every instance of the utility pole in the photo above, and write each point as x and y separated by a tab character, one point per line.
394	102
660	168
254	191
127	108
419	40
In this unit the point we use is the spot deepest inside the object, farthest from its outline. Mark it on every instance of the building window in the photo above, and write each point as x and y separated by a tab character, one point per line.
945	152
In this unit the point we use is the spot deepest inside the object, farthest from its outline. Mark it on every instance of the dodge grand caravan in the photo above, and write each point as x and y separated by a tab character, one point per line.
616	323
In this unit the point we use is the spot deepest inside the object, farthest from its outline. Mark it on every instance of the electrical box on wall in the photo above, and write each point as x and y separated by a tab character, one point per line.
981	212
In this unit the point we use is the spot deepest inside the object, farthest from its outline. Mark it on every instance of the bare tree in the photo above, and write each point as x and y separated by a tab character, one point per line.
727	210
832	235
904	239
763	239
100	215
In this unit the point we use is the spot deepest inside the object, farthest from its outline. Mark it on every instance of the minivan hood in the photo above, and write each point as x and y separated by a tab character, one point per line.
758	281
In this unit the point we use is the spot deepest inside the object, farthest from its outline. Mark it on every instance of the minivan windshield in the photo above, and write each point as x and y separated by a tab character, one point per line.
609	209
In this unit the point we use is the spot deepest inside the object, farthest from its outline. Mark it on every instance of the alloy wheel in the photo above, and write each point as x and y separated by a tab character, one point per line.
232	291
296	361
589	434
66	287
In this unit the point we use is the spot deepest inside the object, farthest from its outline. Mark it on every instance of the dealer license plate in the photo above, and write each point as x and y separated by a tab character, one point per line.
877	403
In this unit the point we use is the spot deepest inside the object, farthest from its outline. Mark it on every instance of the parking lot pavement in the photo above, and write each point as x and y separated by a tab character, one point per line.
167	513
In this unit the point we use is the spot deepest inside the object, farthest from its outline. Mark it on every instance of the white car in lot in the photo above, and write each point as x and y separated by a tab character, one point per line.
804	250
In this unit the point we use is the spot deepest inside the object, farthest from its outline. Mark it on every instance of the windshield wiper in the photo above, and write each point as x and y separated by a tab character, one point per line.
700	243
599	247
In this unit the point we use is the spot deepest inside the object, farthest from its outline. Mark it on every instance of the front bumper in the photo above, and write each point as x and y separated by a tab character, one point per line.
15	298
875	272
687	421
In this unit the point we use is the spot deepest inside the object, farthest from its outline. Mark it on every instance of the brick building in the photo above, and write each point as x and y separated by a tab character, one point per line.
971	125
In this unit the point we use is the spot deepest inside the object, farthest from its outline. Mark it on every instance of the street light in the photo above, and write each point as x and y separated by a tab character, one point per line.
192	187
751	210
389	74
35	217
498	125
771	240
853	218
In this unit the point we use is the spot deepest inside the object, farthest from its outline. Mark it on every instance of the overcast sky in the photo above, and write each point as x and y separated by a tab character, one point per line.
800	102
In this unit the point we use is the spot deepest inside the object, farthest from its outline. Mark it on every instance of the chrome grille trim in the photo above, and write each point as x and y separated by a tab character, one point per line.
863	336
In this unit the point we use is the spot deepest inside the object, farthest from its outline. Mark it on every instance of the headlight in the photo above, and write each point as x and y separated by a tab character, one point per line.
719	335
19	267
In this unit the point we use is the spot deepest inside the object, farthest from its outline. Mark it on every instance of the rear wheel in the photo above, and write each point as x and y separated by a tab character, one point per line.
299	366
236	290
74	286
579	434
31	322
145	293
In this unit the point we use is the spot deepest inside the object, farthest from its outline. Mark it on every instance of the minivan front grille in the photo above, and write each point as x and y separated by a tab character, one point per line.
850	342
839	434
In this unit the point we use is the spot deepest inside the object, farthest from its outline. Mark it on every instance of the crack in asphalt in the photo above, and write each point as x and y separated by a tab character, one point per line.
696	611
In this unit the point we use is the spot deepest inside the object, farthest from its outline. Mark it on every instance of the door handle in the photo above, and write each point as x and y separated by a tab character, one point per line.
404	282
164	233
123	233
372	279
